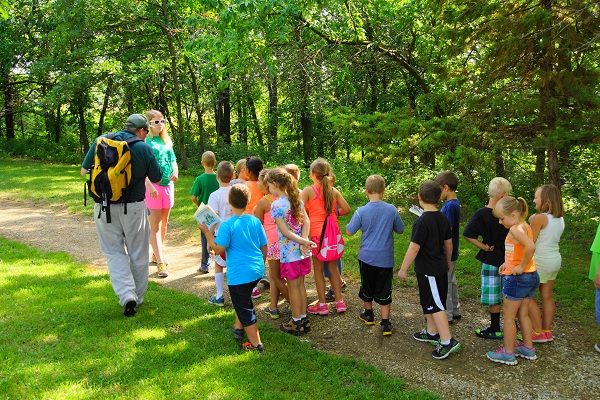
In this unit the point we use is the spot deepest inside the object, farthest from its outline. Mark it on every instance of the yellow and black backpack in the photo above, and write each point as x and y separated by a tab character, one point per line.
110	176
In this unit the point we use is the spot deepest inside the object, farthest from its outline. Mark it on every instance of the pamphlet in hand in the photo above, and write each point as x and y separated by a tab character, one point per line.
418	211
207	215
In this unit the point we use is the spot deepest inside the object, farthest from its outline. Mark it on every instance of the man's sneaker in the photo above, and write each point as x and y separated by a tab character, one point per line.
340	306
329	295
202	271
318	309
129	308
597	347
488	333
425	336
248	347
238	333
162	270
305	324
386	329
274	314
523	351
501	356
293	328
444	350
255	293
367	319
217	301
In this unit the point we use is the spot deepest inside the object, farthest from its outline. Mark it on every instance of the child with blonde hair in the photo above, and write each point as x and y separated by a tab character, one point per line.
519	280
293	228
321	200
263	213
547	228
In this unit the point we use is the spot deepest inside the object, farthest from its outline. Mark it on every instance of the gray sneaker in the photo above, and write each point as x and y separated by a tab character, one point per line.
425	336
442	351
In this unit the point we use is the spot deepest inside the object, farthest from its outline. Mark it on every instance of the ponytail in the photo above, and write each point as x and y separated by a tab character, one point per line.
506	205
282	179
323	173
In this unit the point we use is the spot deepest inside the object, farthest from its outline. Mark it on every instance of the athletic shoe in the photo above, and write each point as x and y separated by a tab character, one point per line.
220	301
202	271
255	293
488	333
523	351
248	347
444	350
549	336
340	306
597	347
238	333
539	337
367	319
318	309
306	324
274	314
330	295
425	336
293	328
129	308
162	270
501	356
344	286
386	329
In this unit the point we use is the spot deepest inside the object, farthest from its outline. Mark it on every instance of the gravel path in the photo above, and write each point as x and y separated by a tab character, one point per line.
567	368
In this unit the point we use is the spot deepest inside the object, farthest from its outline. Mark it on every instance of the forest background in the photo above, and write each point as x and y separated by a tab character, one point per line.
402	88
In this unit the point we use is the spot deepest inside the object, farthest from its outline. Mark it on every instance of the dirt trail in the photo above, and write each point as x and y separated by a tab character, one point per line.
568	368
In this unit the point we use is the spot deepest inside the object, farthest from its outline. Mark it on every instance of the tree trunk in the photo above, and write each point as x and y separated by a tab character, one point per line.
57	123
540	162
273	115
223	116
255	123
83	139
9	103
499	161
197	106
107	93
242	122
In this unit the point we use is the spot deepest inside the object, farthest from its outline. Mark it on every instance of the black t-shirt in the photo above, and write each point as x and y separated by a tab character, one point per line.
430	231
492	232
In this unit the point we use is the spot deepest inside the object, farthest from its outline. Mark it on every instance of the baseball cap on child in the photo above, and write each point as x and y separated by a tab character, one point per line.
137	121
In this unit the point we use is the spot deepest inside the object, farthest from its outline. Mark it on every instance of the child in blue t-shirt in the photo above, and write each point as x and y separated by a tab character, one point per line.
378	221
244	242
451	209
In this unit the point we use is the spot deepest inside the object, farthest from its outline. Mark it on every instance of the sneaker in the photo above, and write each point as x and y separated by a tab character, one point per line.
523	351
386	329
317	309
539	337
425	336
248	347
597	347
265	281
367	319
129	308
549	336
501	356
293	328
202	271
220	301
238	333
153	259
330	295
306	324
340	306
162	270
444	350
274	314
344	286
488	333
255	293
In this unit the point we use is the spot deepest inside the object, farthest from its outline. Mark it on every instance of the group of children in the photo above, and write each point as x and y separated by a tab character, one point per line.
266	217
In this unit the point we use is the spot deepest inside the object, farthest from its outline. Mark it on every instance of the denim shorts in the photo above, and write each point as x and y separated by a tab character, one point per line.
519	287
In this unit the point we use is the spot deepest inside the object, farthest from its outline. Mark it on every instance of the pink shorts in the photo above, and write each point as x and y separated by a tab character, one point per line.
273	251
295	269
317	240
165	199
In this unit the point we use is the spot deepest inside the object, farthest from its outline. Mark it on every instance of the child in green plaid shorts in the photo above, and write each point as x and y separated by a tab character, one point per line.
491	254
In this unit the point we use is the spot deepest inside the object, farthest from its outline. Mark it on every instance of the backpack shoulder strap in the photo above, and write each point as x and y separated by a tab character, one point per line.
133	140
110	135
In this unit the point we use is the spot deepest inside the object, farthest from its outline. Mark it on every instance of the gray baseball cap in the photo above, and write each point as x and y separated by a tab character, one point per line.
137	121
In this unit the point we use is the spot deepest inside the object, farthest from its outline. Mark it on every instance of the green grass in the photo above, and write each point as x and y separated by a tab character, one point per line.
62	335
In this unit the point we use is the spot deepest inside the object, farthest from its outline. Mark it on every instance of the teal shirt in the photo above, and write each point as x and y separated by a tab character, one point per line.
165	156
203	186
143	163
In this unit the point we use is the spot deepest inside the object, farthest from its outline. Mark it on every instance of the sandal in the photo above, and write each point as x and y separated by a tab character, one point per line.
487	333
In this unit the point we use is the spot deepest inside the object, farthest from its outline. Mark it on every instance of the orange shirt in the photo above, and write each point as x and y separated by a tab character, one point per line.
315	209
255	196
513	254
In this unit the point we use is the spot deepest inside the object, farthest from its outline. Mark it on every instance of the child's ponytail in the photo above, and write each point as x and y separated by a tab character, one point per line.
552	201
506	205
282	179
323	173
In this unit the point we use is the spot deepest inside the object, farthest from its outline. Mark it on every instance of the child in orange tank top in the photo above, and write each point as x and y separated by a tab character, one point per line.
519	278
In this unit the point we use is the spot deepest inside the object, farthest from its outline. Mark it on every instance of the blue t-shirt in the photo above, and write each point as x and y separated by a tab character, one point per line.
451	209
378	222
243	236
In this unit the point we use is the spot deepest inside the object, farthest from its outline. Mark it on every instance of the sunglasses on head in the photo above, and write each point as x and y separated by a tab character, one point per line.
158	121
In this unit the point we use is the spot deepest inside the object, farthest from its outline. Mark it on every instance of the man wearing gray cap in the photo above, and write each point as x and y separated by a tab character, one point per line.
124	238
